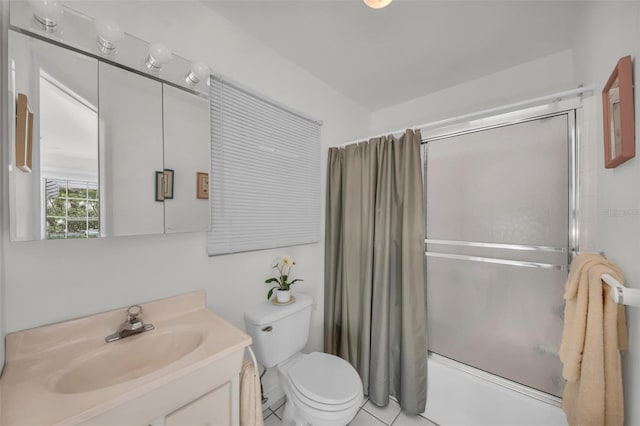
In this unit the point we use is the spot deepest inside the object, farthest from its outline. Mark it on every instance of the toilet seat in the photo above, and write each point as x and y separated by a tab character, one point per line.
325	382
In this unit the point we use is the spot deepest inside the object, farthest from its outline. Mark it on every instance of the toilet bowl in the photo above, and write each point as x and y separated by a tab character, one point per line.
321	389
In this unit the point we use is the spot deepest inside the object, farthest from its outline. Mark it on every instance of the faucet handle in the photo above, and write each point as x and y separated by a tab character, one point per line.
133	312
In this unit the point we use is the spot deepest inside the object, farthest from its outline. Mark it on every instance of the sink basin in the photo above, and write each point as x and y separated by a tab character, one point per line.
125	360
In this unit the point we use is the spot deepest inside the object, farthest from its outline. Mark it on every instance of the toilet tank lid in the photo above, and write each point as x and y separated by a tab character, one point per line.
267	312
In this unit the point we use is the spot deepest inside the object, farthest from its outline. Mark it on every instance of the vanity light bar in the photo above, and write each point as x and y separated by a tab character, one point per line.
42	19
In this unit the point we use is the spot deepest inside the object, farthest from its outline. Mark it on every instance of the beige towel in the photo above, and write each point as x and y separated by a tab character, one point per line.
595	332
250	396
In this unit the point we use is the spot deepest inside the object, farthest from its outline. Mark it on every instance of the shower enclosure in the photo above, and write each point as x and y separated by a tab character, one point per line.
501	226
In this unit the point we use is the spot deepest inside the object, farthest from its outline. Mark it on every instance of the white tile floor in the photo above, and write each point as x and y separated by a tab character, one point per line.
369	415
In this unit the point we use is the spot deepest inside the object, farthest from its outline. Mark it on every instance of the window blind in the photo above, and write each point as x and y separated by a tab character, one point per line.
265	172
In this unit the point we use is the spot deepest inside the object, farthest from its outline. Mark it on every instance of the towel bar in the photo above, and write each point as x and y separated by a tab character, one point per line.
621	294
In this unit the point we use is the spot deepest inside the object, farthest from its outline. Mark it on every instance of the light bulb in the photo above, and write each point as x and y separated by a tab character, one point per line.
109	33
158	56
199	71
377	4
47	13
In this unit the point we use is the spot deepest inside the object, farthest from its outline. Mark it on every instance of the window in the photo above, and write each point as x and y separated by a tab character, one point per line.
72	209
265	172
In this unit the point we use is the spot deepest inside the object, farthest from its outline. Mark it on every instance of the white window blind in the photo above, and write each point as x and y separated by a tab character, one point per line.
265	173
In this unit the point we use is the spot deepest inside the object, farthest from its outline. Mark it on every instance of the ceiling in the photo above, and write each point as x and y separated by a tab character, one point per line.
409	49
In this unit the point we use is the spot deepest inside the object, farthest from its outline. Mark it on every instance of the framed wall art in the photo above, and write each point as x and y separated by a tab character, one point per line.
202	185
24	134
160	186
168	184
618	115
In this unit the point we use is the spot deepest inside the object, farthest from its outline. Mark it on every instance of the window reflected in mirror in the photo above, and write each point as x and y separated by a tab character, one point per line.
73	209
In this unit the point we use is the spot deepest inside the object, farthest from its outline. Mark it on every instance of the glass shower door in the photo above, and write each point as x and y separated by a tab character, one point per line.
497	248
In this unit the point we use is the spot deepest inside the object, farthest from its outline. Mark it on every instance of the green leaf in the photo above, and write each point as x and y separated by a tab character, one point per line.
270	293
272	280
296	280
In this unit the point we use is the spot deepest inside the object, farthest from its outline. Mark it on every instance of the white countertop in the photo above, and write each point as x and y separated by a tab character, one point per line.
36	358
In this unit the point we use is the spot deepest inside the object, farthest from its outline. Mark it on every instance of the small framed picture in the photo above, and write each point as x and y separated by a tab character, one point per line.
202	185
618	115
168	184
159	186
24	134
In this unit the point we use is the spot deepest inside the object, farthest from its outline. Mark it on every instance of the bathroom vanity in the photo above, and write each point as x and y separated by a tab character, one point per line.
184	371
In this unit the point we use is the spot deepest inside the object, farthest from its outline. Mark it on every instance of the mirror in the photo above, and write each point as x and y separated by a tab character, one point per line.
58	197
130	152
99	134
187	152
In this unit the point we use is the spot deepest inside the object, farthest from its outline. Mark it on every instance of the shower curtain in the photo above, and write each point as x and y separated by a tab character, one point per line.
375	306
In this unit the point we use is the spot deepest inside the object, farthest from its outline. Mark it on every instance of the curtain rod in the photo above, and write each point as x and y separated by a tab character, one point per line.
556	97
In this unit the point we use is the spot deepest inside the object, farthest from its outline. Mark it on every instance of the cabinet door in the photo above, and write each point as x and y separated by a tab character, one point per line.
130	130
187	147
211	409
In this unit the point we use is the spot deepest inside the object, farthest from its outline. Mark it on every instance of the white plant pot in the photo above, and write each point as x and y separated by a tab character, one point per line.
283	296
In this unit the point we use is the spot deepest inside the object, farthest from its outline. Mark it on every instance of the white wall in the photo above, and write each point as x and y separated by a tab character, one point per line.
55	280
539	77
4	211
609	31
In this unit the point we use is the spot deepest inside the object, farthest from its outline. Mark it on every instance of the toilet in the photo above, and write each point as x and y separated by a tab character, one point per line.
321	389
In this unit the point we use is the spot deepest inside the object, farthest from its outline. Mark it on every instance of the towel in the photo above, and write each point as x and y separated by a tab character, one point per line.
250	396
595	331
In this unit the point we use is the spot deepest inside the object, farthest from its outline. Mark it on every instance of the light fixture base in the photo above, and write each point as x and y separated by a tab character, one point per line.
48	25
191	79
152	64
105	46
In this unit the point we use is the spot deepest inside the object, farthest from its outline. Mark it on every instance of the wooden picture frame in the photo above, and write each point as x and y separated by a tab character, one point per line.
160	186
618	115
202	185
24	134
168	184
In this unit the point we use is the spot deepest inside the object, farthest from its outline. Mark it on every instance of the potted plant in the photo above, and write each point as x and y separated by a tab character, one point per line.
283	265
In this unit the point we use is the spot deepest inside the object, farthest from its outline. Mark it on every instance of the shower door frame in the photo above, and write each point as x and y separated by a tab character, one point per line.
572	108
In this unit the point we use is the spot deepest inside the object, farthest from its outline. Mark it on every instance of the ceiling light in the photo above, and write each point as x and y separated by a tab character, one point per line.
109	33
377	4
47	13
158	56
199	71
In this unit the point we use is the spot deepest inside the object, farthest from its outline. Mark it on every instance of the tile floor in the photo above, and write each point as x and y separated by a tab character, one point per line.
369	415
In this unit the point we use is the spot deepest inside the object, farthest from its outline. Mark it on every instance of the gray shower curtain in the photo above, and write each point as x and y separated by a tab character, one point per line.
375	306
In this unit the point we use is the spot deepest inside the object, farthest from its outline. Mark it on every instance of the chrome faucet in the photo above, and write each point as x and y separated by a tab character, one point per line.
133	325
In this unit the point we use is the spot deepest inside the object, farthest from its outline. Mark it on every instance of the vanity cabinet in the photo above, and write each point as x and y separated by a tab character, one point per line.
208	396
213	408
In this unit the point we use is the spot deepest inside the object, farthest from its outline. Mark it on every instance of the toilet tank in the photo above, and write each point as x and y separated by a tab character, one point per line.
279	331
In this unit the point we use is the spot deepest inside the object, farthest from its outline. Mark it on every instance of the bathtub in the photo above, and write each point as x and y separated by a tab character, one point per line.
459	395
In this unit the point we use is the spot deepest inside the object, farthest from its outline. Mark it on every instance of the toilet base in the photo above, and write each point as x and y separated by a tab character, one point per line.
292	418
298	413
